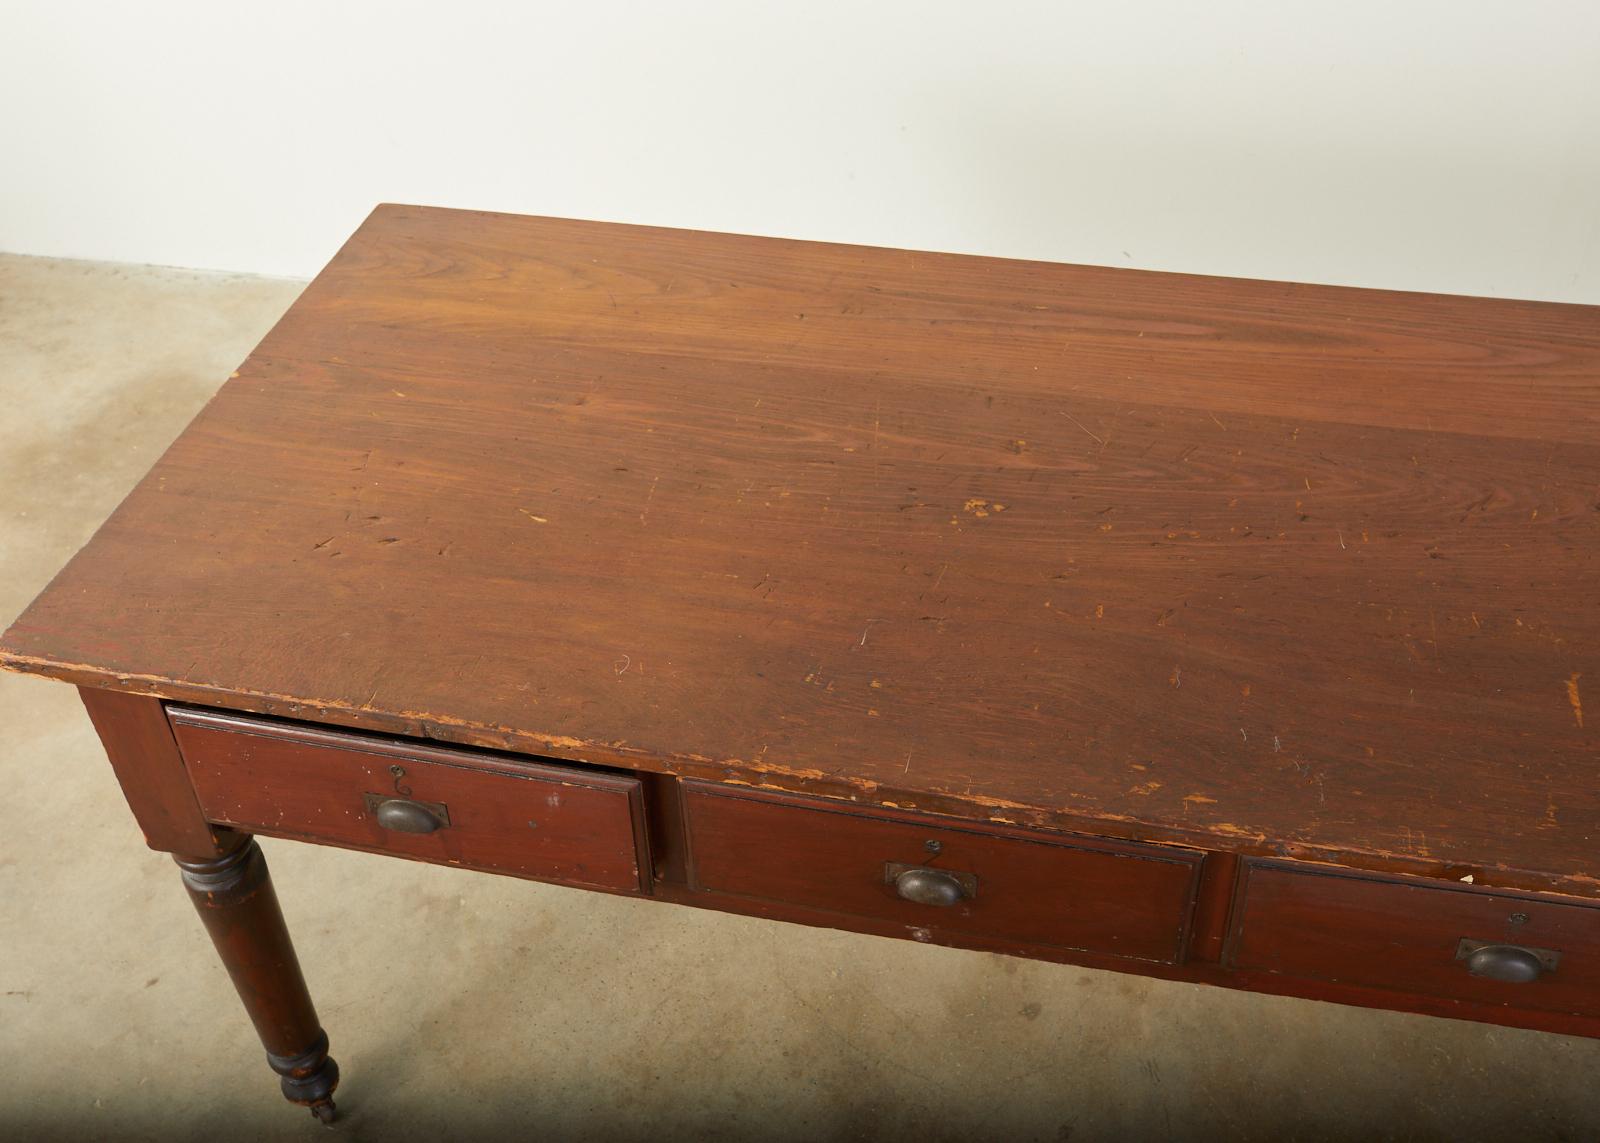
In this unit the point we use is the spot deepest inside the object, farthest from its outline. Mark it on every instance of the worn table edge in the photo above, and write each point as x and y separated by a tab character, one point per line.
767	775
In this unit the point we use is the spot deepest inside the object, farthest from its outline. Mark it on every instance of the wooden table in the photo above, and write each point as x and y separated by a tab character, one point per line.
1214	630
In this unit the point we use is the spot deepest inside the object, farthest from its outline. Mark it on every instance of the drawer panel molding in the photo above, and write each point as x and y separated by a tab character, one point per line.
1415	936
941	878
477	809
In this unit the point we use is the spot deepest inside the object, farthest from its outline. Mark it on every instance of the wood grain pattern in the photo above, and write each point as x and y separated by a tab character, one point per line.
1261	567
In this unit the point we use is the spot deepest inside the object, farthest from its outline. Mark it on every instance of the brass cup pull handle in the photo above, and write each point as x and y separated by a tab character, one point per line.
1511	964
405	815
927	886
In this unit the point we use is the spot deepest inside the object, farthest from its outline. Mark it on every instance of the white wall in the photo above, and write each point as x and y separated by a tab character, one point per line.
1424	145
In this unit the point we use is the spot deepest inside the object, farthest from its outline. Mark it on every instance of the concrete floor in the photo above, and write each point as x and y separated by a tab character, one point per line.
462	1005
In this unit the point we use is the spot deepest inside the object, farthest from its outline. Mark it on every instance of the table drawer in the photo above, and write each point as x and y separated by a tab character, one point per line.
1037	889
1416	937
459	807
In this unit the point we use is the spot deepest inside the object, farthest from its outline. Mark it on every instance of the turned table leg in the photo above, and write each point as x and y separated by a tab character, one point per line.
234	896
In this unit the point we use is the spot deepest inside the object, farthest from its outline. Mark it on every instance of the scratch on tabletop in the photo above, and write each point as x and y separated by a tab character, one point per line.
645	511
1575	699
867	628
621	665
1106	443
1098	439
531	516
907	769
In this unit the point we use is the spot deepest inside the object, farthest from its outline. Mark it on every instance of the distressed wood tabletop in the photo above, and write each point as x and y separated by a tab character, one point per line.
1251	565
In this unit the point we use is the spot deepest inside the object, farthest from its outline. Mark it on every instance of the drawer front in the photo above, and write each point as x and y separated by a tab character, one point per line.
480	810
1416	938
1114	898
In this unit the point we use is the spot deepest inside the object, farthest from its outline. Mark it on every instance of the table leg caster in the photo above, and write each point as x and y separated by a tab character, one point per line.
309	1078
